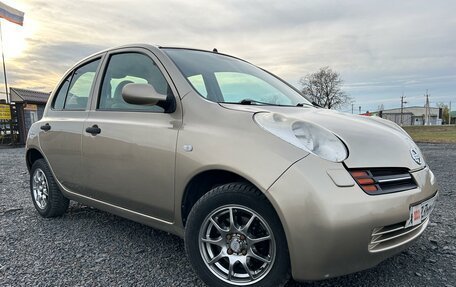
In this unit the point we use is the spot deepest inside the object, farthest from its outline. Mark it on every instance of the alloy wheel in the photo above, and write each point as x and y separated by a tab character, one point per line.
237	245
40	188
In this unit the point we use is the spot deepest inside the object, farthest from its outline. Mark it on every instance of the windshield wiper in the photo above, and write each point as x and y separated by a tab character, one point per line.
313	104
253	102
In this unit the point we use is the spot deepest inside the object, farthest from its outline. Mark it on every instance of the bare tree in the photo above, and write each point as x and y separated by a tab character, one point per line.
324	88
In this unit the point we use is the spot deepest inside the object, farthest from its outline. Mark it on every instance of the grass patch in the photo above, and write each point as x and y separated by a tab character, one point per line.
432	134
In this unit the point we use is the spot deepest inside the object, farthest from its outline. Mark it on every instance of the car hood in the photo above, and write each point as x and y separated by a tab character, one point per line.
371	141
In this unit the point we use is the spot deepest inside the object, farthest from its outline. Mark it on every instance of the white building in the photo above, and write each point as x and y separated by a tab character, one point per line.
412	116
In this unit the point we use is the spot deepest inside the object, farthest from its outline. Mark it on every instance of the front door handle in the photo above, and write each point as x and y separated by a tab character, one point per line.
46	127
93	130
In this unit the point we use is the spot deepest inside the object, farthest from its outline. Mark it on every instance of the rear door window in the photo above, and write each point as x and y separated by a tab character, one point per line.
81	86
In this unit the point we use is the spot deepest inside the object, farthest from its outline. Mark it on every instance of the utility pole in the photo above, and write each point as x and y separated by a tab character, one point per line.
426	111
402	106
4	65
353	105
359	108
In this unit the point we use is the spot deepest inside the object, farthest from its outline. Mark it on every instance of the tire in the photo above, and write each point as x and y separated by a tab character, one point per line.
211	218
46	195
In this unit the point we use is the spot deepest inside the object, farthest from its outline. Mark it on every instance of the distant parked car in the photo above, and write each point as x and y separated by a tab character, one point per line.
260	183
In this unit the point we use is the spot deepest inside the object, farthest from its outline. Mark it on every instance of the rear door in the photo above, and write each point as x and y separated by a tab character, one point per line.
61	128
129	150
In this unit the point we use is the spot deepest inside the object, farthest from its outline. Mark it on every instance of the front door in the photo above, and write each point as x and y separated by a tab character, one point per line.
129	150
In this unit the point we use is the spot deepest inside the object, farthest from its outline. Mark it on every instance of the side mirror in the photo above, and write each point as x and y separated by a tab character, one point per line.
141	94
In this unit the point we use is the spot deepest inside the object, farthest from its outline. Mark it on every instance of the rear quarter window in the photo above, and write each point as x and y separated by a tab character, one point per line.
59	100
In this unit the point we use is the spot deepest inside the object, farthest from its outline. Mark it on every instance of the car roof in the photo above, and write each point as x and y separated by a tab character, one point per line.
154	47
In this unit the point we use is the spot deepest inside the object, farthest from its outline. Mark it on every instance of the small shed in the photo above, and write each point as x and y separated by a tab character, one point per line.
29	109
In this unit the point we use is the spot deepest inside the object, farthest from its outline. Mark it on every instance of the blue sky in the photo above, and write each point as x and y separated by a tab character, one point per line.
381	48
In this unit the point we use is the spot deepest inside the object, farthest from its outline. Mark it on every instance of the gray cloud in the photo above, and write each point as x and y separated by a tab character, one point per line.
381	48
43	63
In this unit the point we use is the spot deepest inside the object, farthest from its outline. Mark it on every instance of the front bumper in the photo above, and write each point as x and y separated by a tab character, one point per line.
329	228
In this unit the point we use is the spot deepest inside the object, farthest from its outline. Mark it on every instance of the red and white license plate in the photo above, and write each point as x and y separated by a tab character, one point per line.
418	213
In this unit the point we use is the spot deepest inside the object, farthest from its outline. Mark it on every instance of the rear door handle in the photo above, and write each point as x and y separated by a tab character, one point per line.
46	127
93	130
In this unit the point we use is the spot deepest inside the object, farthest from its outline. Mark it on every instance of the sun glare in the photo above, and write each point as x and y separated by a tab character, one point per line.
13	39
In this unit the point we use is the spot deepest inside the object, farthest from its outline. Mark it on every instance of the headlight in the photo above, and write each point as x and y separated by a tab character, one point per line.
307	136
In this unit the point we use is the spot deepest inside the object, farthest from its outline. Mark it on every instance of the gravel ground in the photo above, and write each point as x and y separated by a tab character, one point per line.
88	247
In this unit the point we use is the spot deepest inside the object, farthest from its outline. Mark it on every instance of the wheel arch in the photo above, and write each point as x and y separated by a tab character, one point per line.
203	182
31	156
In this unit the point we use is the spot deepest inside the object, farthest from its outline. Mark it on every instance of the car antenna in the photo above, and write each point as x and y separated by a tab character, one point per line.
215	50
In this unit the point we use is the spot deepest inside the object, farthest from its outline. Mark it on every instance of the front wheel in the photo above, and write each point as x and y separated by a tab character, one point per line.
234	238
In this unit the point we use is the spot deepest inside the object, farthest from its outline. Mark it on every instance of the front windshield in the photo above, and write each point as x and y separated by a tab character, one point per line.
224	79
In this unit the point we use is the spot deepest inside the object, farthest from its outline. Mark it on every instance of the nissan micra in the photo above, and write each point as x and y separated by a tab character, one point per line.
261	183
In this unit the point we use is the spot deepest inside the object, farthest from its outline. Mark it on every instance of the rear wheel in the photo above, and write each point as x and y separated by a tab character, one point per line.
46	195
234	238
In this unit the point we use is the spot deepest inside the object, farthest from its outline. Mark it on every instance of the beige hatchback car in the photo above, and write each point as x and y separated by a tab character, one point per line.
261	183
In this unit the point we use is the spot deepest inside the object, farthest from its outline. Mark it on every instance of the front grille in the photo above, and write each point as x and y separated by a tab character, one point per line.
383	180
391	236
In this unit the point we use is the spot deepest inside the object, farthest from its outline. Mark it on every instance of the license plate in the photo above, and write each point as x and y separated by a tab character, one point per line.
418	213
